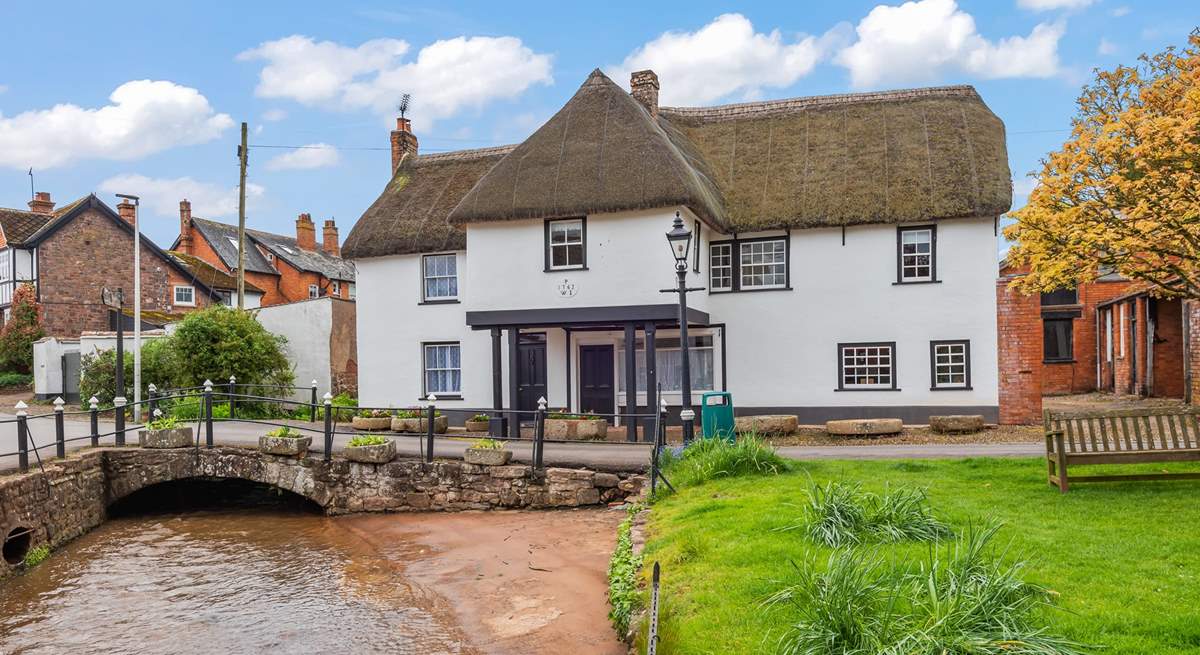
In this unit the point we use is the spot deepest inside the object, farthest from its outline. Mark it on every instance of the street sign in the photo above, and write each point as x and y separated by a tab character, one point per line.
113	298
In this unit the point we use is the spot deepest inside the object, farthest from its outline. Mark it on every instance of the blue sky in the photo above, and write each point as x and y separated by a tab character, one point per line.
145	98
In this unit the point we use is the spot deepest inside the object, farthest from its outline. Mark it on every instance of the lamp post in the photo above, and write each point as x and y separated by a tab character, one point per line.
680	240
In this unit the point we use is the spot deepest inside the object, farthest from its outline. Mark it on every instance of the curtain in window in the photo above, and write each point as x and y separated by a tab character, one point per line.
670	368
441	276
443	369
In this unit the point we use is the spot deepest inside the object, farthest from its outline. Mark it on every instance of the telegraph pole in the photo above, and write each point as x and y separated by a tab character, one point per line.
243	152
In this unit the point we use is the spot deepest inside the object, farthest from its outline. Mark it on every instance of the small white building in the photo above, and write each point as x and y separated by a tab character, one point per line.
846	248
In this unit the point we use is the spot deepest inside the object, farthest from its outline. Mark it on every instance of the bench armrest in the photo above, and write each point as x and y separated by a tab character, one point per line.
1053	433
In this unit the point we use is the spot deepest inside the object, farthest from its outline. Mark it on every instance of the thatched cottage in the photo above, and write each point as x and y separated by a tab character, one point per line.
846	246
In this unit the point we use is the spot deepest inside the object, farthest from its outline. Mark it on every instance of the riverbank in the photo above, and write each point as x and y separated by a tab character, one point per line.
516	581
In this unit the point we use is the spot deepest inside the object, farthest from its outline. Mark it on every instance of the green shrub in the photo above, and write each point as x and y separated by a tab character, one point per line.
14	379
839	514
98	372
163	423
343	410
708	459
23	327
487	444
191	407
221	341
623	597
368	440
36	556
374	413
963	599
481	417
285	432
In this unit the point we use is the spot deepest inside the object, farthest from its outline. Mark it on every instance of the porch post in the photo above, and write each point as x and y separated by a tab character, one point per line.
651	374
514	419
630	381
497	372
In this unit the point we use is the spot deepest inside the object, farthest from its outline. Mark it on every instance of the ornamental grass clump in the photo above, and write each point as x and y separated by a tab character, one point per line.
368	440
163	423
487	444
838	514
285	432
962	599
708	459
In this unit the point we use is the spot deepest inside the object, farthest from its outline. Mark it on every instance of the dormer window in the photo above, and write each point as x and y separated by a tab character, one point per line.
566	244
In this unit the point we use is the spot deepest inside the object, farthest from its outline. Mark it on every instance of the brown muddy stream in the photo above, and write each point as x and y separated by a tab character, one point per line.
251	580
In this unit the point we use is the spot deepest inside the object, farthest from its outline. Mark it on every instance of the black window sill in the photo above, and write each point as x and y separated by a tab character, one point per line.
441	397
565	270
1058	361
951	388
750	290
449	301
896	284
892	389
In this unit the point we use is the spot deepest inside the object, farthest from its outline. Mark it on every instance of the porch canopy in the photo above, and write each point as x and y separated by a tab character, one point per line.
629	318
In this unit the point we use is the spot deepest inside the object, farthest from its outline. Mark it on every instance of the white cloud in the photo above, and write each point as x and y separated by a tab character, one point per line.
1118	12
144	117
161	195
274	115
1050	5
313	155
1106	47
923	40
725	57
444	77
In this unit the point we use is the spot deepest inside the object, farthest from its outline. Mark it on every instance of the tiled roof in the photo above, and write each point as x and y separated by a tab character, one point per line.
223	239
209	275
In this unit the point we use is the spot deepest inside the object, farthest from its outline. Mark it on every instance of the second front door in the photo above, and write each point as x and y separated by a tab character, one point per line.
596	392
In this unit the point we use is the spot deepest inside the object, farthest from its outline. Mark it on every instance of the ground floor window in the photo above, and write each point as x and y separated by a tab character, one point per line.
950	364
866	366
1058	339
668	360
443	368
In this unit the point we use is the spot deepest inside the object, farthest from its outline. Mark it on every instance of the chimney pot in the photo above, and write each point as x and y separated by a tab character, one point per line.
126	211
329	238
306	232
41	203
643	86
404	142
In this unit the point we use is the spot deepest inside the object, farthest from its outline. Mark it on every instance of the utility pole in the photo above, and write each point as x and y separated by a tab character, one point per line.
243	152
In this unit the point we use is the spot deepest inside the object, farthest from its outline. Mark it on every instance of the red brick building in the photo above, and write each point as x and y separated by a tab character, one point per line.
1107	335
72	253
286	269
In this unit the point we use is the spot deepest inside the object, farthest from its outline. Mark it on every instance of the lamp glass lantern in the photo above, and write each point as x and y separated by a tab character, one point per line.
680	240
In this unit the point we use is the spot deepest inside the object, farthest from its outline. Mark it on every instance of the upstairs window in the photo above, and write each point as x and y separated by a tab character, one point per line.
440	274
866	366
5	265
916	257
313	291
1060	297
185	295
720	267
763	264
335	288
566	244
353	291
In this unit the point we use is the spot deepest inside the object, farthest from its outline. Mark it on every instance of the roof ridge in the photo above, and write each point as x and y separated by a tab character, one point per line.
807	102
468	153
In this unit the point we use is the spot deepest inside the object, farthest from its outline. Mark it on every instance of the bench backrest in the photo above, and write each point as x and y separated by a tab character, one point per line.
1116	430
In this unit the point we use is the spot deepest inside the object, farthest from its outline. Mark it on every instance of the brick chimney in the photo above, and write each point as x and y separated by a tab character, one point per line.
404	142
41	203
185	227
643	86
306	233
329	239
125	210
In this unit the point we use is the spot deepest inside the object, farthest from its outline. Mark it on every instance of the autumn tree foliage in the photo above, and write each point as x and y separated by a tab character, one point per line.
23	327
1123	193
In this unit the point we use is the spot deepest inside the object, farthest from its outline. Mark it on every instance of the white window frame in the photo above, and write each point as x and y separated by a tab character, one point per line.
870	356
720	266
1121	330
184	303
909	261
6	265
314	291
427	387
661	352
352	292
335	288
763	268
566	243
951	358
426	277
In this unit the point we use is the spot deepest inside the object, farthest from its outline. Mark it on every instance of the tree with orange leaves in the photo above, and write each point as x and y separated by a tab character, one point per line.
1123	193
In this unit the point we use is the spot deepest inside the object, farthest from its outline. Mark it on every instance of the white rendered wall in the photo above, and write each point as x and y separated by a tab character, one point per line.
307	325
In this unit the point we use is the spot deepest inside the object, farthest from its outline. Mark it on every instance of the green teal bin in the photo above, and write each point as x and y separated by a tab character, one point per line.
716	415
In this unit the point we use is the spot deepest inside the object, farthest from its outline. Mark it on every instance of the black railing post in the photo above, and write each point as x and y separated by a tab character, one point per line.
151	392
539	433
119	420
430	416
94	419
60	436
22	436
312	410
328	426
232	390
208	414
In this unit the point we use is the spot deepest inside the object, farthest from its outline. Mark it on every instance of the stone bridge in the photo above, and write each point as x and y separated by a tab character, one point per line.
73	495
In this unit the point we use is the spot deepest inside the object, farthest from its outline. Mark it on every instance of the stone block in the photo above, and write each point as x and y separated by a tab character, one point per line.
172	438
377	454
290	446
487	456
606	480
956	423
577	429
512	472
766	425
864	426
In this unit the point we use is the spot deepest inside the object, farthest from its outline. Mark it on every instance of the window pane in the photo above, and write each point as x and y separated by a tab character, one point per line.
1057	337
866	366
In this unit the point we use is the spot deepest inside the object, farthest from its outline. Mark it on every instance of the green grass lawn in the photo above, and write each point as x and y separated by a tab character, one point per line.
1123	557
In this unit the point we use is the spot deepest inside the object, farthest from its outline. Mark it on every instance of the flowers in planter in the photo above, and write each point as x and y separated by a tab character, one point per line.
161	422
487	452
368	440
564	415
417	412
375	413
285	432
481	418
284	440
487	443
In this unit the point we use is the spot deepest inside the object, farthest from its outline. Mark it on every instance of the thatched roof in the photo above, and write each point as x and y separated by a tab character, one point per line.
410	215
883	157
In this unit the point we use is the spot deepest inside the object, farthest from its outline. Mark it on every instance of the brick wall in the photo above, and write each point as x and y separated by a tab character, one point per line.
1169	363
1079	376
79	260
1019	325
1192	366
343	348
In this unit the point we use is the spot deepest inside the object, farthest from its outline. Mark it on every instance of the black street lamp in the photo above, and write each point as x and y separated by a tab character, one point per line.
680	240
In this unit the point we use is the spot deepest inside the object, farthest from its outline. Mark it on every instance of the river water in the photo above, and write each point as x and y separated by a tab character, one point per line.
249	580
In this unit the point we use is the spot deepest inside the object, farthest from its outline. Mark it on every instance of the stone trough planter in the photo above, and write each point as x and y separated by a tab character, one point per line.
172	438
864	427
374	454
371	423
289	446
768	425
487	456
474	426
588	429
419	425
956	423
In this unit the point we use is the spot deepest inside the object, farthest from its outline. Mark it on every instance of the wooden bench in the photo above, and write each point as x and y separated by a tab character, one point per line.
1120	436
